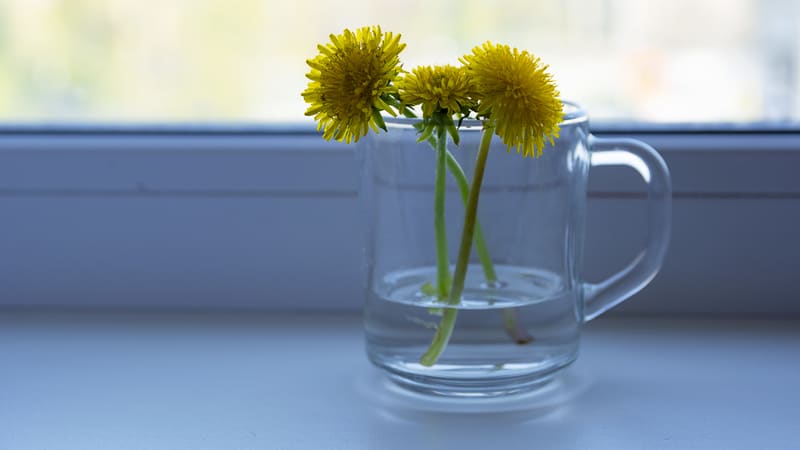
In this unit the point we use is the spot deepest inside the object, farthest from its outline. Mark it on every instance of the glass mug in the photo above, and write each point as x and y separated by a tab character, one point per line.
516	332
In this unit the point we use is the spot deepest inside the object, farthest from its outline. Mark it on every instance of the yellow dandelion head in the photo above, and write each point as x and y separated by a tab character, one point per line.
517	95
437	88
351	78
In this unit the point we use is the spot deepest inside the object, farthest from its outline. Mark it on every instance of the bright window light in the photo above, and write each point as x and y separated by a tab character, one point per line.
244	60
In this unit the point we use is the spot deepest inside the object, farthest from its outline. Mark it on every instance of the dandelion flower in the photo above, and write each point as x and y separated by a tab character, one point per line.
517	95
351	82
439	88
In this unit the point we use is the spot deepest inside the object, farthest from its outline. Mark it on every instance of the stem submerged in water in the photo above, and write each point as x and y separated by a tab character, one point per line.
445	329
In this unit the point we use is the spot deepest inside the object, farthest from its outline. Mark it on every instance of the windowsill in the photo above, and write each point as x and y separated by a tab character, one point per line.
103	380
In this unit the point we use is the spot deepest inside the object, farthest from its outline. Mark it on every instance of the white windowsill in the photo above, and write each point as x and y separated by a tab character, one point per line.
182	381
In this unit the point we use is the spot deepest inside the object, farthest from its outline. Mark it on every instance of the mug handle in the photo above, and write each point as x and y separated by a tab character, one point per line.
602	296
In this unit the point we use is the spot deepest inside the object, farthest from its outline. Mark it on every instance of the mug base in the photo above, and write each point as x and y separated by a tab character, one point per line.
473	387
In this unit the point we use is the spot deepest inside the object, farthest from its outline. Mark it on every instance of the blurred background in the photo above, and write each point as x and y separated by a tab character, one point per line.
682	61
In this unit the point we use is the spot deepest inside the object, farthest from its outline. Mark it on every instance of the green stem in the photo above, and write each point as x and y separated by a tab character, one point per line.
480	242
445	328
510	319
442	256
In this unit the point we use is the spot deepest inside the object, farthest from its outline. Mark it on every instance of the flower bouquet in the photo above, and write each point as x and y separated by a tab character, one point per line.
519	297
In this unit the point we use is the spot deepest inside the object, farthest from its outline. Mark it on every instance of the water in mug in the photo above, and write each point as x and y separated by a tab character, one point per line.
402	316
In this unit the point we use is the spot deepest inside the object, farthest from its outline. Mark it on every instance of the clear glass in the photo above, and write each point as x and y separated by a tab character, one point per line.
207	60
515	333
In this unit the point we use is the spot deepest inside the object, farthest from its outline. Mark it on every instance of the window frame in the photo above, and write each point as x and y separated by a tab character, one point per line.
735	193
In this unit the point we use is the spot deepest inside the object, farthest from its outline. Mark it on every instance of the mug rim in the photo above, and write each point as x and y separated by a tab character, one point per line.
574	113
